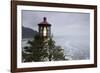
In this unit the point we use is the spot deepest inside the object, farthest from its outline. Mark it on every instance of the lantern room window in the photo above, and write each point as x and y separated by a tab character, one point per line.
45	32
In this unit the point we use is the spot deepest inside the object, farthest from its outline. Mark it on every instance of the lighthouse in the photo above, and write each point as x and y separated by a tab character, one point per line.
44	28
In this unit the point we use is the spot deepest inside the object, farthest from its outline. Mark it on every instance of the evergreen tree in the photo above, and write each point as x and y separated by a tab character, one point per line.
42	50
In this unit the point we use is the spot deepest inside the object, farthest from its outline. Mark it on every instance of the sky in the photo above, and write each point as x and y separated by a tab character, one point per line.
73	23
70	30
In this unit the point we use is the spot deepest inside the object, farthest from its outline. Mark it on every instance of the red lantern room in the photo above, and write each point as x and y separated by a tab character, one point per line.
44	28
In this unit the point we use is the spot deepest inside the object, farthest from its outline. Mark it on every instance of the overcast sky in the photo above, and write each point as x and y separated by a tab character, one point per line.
62	23
66	27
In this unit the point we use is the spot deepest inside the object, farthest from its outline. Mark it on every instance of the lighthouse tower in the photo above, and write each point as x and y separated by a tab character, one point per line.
44	29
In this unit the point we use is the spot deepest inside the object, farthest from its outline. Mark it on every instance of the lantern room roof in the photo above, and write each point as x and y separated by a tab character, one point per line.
44	22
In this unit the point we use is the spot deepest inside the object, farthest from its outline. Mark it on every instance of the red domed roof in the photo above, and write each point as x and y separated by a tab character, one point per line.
44	23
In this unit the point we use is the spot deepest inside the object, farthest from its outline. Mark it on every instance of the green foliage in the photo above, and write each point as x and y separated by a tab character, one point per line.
42	49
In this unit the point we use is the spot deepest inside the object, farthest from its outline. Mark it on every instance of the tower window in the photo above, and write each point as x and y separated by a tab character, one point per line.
45	32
